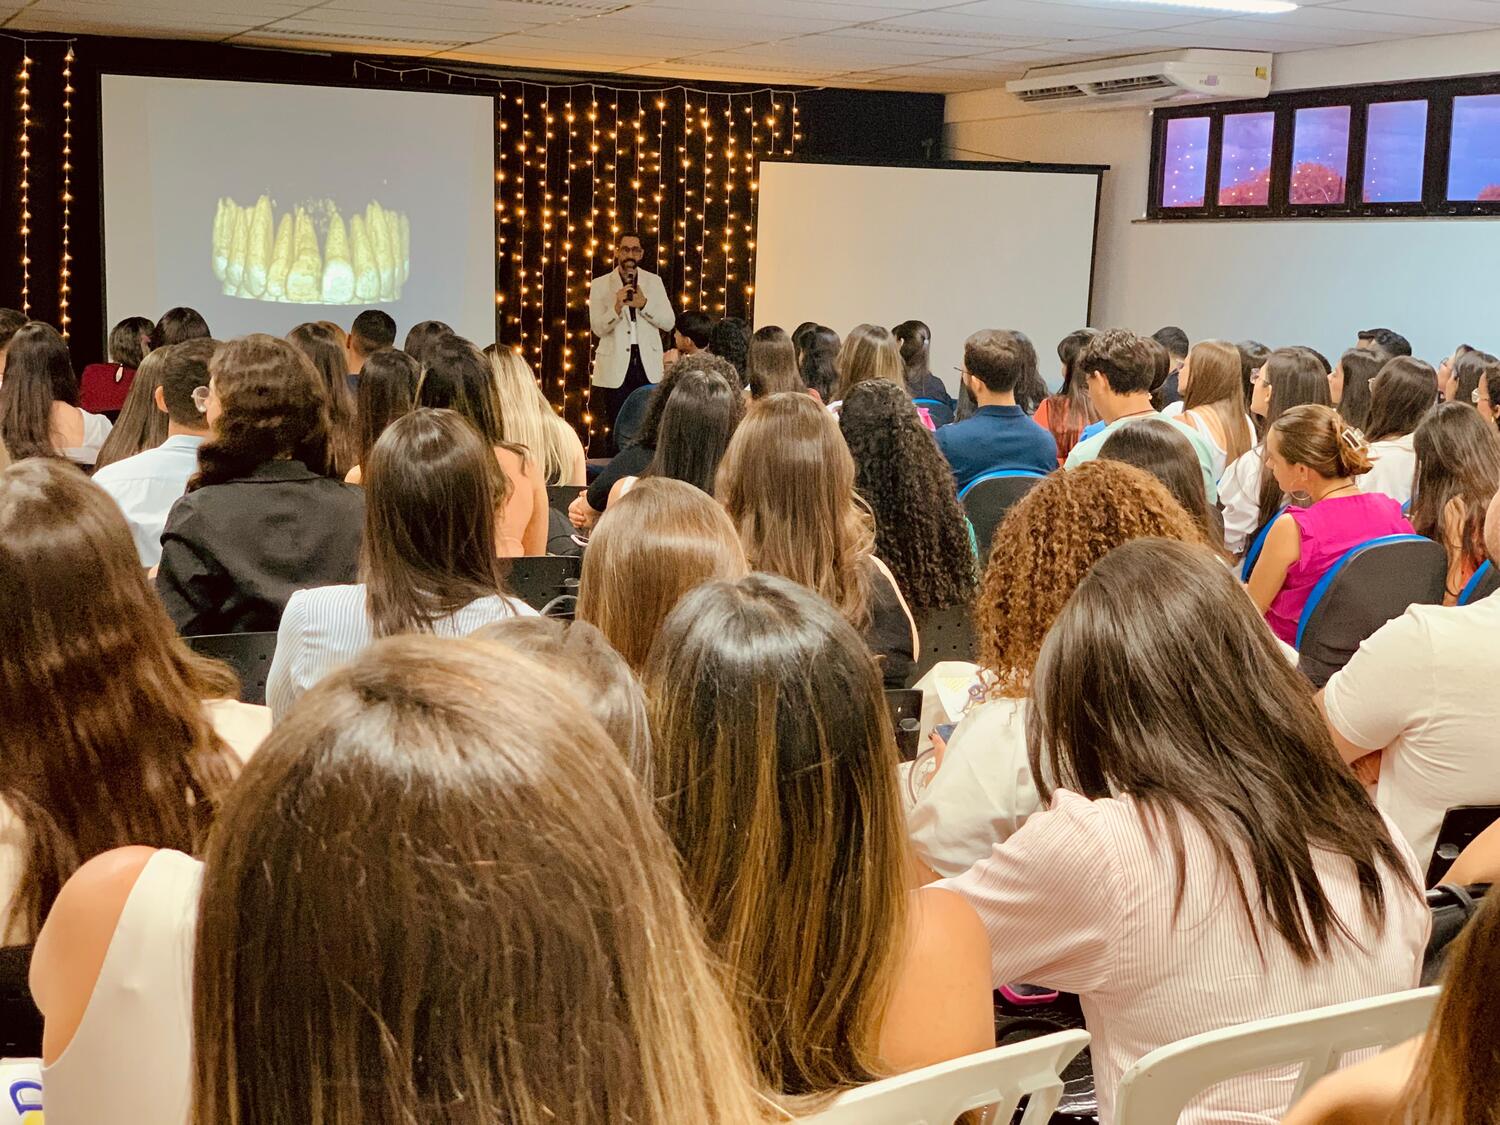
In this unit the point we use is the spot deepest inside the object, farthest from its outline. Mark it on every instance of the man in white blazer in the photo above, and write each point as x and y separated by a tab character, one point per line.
628	311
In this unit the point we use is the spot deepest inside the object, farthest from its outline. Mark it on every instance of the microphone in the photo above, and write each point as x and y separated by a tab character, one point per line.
630	279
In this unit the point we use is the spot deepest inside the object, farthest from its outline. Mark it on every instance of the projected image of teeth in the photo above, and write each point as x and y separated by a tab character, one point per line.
310	254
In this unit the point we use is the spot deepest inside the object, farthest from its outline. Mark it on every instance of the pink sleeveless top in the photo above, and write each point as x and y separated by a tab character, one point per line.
1329	528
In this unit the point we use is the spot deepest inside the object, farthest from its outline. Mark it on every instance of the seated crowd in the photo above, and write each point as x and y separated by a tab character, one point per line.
653	855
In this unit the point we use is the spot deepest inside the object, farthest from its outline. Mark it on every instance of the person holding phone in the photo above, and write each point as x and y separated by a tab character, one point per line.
628	311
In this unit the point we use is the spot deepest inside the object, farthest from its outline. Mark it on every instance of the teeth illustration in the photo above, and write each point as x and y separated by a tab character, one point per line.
309	253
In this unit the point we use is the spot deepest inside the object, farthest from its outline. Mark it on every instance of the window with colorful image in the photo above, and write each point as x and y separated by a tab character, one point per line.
1320	156
1474	160
1185	171
1395	152
1245	163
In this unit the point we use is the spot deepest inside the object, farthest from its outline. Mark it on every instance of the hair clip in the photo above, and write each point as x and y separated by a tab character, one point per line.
1352	437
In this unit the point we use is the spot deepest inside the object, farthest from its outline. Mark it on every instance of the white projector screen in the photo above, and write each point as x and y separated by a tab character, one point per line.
958	248
266	205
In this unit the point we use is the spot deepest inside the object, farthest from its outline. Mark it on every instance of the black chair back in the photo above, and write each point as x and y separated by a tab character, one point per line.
20	1022
559	496
946	634
940	412
537	579
1485	582
1370	585
1451	906
1460	825
989	498
906	720
249	654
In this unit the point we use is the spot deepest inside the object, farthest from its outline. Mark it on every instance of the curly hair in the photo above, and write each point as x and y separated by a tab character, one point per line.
1047	544
901	474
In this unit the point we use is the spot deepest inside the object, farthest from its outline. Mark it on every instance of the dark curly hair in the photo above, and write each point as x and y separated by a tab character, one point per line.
730	339
920	532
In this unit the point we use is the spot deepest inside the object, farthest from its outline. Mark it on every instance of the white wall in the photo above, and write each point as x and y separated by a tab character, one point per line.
1299	281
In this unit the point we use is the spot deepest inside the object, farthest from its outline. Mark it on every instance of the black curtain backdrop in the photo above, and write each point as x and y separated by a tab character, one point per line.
576	157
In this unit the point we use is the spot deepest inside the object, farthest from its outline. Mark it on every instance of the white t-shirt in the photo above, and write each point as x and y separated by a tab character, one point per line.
1422	689
1239	496
982	793
96	428
1395	468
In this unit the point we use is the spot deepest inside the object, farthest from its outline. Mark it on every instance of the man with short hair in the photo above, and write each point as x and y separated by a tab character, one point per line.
1175	340
1419	695
998	436
916	353
148	484
1384	342
1121	369
372	331
628	311
690	333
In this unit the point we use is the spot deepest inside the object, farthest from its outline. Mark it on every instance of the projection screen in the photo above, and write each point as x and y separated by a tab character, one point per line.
960	247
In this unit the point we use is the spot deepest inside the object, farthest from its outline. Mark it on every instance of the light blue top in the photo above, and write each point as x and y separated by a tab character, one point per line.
1088	449
147	485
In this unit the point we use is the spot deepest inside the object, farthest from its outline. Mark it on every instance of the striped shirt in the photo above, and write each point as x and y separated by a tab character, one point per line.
329	626
1080	900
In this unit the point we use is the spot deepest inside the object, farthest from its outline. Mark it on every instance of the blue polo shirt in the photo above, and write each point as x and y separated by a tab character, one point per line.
996	438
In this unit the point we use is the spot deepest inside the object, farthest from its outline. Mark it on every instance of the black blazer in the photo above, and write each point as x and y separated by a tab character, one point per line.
232	554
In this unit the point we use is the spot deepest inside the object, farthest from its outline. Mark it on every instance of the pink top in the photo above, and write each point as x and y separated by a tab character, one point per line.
1080	900
1329	528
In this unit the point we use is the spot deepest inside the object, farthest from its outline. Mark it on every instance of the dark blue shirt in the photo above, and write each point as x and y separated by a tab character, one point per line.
996	438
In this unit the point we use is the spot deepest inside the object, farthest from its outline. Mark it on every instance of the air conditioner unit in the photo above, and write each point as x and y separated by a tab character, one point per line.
1167	76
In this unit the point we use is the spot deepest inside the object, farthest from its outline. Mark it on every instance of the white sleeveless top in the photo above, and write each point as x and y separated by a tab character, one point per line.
129	1062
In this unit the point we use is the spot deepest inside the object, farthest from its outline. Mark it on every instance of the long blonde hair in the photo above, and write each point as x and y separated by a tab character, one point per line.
1216	384
775	774
527	418
868	352
439	896
653	545
787	482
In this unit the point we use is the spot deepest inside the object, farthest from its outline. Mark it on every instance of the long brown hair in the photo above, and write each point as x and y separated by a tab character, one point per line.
141	425
1400	397
1162	448
432	488
1071	409
38	373
651	546
788	484
1296	379
387	390
696	426
771	364
105	740
1458	462
775	773
868	352
1047	543
1457	1077
322	345
1215	386
274	406
438	895
1231	739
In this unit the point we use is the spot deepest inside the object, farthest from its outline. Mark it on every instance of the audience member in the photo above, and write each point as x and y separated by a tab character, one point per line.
1031	388
329	359
659	541
1450	1075
527	419
775	774
692	332
387	390
868	352
458	377
1458	471
915	339
1400	397
1468	372
1163	450
142	424
11	322
106	739
428	563
1250	496
259	520
999	436
983	790
1385	343
1120	370
771	363
373	331
596	675
408	873
179	325
39	412
1213	401
729	339
1417	694
146	485
696	427
1175	340
421	336
921	531
102	387
1349	386
1066	414
1190	833
787	481
818	362
1311	452
1253	356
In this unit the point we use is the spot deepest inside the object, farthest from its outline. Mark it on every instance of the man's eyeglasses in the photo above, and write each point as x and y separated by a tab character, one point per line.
200	399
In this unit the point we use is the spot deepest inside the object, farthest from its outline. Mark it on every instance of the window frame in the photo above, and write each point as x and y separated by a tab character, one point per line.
1438	95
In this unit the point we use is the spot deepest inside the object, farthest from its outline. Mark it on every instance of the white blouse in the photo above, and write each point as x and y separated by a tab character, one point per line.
1239	496
1395	468
96	428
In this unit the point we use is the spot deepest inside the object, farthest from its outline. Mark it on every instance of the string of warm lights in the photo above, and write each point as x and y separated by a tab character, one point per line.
25	98
67	192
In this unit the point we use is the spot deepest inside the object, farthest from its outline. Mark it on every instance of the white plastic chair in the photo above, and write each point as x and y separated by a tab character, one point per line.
1155	1089
937	1095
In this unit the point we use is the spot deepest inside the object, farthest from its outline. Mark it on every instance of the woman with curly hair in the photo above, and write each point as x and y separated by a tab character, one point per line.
920	529
983	790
